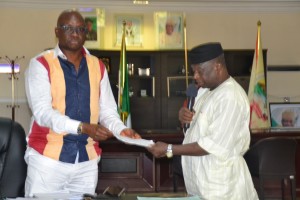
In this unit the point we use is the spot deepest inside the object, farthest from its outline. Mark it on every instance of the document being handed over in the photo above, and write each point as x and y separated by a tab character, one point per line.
138	142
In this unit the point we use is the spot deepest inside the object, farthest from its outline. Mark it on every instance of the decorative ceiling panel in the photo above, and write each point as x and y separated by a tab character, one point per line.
164	5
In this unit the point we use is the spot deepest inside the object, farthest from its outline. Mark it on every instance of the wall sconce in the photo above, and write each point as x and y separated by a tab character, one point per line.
286	99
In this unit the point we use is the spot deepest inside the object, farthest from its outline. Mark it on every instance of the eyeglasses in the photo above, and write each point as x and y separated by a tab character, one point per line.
71	29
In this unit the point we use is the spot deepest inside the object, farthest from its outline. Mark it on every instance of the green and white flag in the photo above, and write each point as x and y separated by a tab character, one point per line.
123	96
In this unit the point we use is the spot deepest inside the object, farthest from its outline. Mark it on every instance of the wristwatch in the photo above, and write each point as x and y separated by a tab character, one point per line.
79	128
169	152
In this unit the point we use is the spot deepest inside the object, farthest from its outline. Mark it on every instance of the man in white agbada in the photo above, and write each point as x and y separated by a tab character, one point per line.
214	145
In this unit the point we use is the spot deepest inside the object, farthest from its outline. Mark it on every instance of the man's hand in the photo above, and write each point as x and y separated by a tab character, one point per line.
97	132
128	132
185	115
158	150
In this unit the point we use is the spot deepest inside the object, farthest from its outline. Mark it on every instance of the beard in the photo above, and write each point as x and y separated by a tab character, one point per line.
71	43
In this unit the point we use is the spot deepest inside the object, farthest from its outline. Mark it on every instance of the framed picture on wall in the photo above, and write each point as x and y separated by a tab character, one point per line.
169	30
133	30
94	19
106	62
176	85
285	115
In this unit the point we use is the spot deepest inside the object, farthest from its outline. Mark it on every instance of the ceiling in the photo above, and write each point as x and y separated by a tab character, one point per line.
164	5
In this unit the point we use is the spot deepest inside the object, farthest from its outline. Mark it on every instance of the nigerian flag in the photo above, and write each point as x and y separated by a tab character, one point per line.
123	96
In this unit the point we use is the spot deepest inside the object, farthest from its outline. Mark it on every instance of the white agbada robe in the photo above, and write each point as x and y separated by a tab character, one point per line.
221	127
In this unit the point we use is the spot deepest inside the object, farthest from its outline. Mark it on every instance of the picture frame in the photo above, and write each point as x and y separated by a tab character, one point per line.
169	30
285	115
106	62
176	85
133	30
94	19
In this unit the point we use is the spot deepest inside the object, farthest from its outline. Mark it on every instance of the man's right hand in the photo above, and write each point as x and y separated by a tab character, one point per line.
130	133
96	131
185	115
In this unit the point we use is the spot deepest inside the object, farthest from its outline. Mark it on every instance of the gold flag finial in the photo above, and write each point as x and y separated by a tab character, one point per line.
258	23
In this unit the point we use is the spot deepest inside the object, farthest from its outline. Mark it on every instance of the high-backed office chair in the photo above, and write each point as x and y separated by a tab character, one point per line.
273	158
13	168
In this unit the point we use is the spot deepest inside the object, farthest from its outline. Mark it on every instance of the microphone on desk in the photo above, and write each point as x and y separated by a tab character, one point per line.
191	94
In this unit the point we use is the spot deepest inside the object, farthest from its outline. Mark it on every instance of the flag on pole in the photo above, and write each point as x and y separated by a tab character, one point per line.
123	95
259	114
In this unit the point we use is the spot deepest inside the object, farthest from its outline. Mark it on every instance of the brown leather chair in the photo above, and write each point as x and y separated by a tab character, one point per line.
13	168
273	158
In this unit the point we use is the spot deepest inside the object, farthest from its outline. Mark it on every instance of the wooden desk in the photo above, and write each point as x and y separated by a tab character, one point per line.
137	170
134	168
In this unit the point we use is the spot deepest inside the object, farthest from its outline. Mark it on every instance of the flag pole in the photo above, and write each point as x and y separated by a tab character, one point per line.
122	75
185	52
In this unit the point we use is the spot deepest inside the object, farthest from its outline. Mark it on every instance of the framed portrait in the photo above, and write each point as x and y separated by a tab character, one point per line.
133	30
94	19
106	62
169	30
285	115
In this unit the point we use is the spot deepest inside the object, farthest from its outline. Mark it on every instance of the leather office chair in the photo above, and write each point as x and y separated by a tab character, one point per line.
273	158
13	167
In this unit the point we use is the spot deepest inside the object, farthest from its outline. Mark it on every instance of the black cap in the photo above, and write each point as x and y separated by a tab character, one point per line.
205	52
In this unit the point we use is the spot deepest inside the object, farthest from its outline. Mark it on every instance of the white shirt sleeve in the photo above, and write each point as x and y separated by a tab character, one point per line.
38	92
108	115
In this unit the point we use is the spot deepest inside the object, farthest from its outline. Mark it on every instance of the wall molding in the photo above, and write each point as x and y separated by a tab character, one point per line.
166	5
9	100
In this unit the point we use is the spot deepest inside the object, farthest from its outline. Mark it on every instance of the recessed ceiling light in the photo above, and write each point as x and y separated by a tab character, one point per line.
140	2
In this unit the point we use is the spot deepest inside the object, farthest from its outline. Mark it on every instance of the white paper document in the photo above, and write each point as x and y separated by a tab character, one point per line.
53	196
138	142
